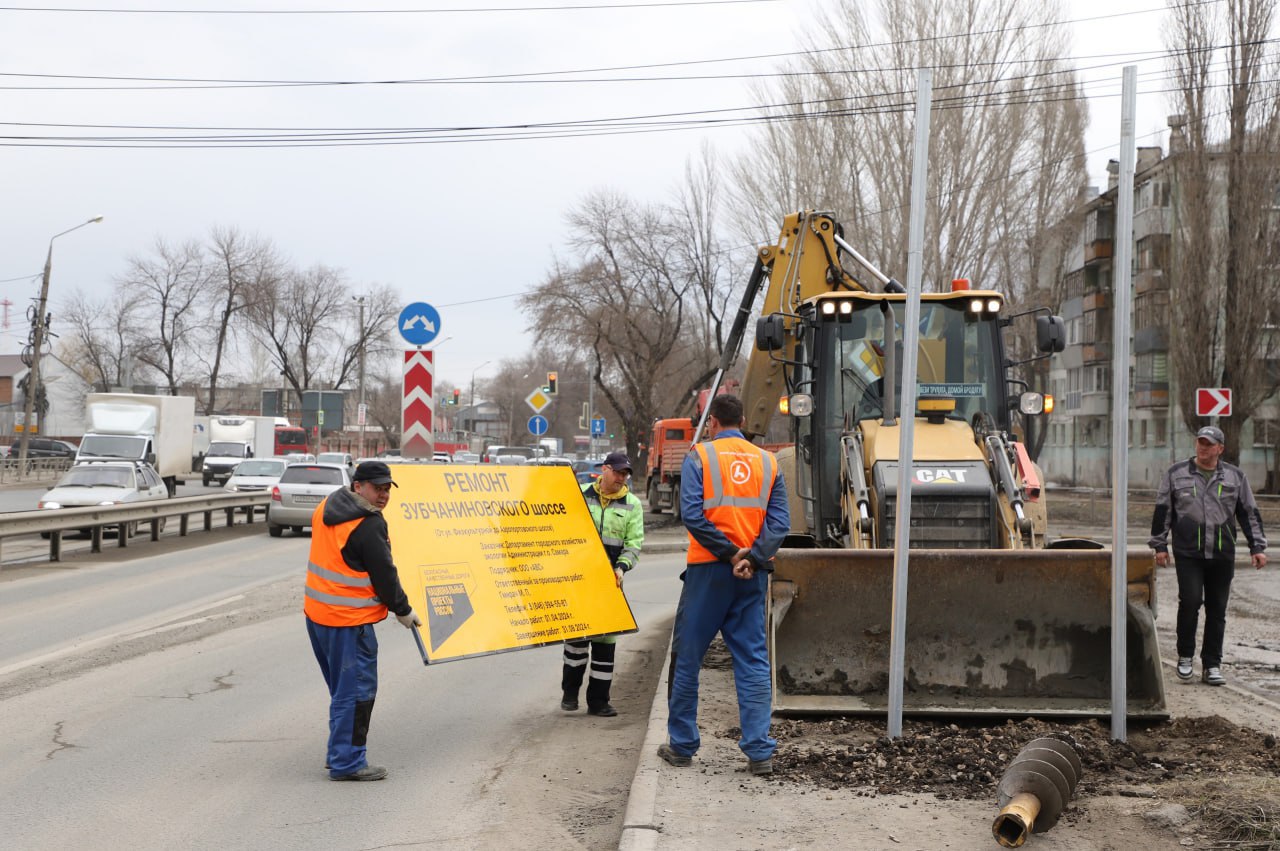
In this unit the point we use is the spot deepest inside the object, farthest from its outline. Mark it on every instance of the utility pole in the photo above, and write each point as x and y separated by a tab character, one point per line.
361	412
37	343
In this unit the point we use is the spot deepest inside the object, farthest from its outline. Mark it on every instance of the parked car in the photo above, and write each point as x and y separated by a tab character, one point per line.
513	460
43	447
466	458
255	474
105	483
441	458
586	470
300	458
343	458
301	488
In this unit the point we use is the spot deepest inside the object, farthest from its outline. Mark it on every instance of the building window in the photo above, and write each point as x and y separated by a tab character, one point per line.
1265	432
1142	433
1160	430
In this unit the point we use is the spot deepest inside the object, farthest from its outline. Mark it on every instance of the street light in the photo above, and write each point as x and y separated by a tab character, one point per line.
362	415
473	381
37	342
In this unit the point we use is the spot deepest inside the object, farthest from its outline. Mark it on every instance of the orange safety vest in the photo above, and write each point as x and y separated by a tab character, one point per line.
737	478
336	595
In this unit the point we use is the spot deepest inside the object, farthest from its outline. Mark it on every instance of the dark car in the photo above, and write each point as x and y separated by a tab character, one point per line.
43	447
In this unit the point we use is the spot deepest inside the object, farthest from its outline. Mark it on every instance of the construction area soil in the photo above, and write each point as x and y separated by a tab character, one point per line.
1208	778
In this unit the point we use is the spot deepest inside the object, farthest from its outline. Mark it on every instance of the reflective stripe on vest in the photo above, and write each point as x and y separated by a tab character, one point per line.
335	594
737	478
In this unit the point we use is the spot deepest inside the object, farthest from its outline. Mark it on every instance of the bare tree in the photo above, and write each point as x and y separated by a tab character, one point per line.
97	340
1005	152
241	266
624	300
1224	289
298	319
166	289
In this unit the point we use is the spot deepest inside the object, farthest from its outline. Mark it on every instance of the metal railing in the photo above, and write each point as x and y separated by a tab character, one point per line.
153	514
36	469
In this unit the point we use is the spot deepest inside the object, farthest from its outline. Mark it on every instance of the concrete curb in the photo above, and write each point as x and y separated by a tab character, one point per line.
640	827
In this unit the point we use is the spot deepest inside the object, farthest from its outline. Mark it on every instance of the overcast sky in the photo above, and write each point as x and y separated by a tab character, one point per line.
459	224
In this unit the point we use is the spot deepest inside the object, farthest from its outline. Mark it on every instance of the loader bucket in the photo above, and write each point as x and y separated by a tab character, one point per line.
988	632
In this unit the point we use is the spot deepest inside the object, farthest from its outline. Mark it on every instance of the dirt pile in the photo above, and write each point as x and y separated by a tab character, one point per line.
967	760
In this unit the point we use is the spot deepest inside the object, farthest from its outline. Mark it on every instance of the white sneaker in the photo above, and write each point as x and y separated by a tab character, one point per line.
1213	676
1184	667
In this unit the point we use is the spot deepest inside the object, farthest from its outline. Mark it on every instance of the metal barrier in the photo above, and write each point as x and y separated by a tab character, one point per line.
36	470
153	513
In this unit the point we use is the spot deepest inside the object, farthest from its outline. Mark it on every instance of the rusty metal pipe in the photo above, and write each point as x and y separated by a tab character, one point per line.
1034	790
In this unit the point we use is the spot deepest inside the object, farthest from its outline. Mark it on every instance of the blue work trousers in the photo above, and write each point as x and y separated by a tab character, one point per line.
712	601
348	657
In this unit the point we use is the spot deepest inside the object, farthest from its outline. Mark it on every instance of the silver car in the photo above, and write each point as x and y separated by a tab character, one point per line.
301	488
343	458
105	483
254	475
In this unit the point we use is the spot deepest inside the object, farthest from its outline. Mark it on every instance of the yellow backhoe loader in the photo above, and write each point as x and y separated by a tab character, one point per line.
1000	619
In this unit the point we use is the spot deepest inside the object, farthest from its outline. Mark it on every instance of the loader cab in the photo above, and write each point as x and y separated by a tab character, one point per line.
841	360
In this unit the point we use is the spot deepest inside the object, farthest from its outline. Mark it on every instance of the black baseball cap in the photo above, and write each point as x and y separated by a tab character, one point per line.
618	461
374	472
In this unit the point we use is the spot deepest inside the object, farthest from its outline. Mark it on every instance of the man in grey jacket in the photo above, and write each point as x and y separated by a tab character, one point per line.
1200	501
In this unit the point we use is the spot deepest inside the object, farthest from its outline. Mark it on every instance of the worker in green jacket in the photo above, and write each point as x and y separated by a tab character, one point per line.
619	518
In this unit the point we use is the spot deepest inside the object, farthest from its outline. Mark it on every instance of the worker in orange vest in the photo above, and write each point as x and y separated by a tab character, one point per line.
734	505
351	585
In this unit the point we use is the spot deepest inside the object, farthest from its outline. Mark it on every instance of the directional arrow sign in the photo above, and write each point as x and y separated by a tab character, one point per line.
419	323
537	400
1213	401
537	424
416	438
597	426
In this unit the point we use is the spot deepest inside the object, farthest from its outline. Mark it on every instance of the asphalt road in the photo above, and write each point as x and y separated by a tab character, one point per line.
170	699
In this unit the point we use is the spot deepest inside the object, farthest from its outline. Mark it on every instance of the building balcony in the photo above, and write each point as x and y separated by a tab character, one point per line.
1095	301
1153	395
1152	220
1099	249
1094	405
1096	352
1154	338
1150	279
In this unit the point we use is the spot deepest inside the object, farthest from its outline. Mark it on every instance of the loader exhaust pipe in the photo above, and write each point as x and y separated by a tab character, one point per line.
1034	790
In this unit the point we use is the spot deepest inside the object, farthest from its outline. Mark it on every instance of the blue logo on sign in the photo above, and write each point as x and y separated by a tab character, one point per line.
419	323
537	424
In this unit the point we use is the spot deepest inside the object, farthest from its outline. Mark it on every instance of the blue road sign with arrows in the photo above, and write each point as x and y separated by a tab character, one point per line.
597	426
537	424
419	323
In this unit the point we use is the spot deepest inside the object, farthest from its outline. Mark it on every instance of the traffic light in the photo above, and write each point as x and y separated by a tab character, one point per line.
551	384
456	394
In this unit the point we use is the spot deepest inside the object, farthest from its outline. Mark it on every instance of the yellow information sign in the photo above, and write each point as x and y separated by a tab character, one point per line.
500	558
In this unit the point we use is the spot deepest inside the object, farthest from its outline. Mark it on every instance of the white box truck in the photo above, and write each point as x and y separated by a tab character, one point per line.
233	439
157	429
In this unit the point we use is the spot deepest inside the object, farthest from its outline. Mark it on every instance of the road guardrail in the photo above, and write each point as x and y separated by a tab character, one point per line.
154	514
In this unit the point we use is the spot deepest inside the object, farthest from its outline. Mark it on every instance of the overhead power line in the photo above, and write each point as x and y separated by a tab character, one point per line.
563	7
201	83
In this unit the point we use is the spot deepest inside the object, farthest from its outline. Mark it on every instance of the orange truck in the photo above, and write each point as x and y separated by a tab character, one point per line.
669	441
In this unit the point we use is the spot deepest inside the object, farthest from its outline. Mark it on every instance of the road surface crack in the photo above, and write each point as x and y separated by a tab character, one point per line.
61	743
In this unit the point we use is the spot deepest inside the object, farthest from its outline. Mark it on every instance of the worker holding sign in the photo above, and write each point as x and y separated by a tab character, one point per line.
351	585
619	518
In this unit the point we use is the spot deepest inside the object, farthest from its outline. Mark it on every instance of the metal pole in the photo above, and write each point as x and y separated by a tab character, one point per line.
33	377
1121	305
37	343
363	339
906	427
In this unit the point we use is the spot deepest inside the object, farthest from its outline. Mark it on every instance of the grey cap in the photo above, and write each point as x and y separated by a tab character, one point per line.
1212	433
